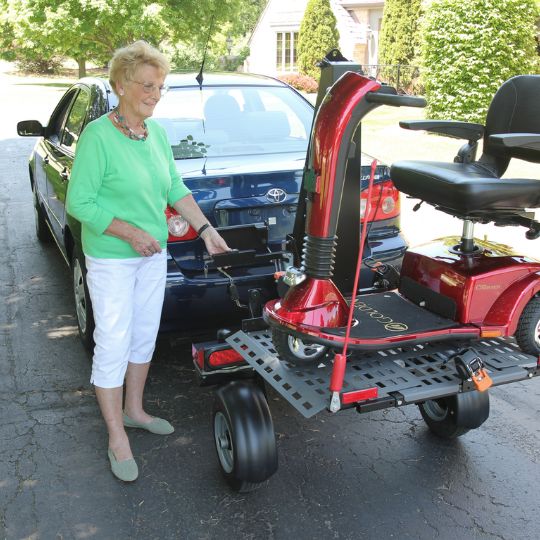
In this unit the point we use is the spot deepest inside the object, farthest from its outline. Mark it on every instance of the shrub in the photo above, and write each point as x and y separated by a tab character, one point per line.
39	66
303	83
399	40
399	43
470	48
317	36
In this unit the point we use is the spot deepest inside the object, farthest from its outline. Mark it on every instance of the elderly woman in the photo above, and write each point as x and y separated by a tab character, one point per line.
122	179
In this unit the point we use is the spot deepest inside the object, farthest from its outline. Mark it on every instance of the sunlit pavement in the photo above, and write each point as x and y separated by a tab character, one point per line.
349	476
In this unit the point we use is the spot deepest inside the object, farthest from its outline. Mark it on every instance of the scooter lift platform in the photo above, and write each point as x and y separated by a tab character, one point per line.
402	376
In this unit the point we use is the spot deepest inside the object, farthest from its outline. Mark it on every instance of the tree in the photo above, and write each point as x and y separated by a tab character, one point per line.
227	48
91	30
317	36
470	48
399	39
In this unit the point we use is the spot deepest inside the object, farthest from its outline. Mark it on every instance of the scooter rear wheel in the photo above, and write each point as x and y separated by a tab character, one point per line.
453	416
528	329
296	351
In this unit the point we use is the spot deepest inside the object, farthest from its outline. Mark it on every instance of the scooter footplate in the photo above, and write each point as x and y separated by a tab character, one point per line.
402	375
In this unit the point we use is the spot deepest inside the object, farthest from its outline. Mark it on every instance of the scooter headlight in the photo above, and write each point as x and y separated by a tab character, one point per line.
293	276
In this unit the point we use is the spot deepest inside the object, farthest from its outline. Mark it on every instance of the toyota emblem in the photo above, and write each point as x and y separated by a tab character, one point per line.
276	195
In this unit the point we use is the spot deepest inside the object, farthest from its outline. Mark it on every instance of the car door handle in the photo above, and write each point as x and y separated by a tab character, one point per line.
65	175
46	160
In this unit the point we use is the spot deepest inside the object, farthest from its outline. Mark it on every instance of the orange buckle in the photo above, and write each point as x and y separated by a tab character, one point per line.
469	366
482	381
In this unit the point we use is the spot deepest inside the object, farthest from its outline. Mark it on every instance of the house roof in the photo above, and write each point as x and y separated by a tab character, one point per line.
346	19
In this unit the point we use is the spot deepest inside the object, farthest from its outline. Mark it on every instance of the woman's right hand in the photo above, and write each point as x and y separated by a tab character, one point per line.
143	243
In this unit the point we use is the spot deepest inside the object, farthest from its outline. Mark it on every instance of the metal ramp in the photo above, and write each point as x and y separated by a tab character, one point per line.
402	375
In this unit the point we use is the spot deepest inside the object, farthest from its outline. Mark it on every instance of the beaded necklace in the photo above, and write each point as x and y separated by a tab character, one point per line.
121	121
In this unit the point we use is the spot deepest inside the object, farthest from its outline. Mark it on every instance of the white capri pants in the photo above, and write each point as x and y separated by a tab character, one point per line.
127	298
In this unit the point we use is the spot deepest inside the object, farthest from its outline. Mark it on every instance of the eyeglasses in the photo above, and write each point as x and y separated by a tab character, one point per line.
149	88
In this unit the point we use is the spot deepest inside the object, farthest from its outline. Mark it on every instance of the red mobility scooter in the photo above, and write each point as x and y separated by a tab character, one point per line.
465	314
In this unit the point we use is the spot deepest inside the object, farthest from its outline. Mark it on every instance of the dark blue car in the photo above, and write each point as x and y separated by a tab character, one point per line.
240	144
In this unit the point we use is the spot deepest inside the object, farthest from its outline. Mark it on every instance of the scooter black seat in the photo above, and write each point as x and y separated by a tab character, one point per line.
465	189
475	189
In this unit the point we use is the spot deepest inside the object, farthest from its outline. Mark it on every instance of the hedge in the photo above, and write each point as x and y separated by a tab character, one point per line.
470	48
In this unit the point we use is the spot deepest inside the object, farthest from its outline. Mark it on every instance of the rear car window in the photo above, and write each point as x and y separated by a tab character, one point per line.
229	121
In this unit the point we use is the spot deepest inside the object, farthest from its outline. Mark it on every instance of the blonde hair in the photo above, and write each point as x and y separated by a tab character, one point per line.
127	60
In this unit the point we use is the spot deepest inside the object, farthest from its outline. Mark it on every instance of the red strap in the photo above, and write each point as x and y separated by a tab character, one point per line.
338	371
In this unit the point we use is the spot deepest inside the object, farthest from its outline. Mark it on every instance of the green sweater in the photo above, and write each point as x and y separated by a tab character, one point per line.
117	177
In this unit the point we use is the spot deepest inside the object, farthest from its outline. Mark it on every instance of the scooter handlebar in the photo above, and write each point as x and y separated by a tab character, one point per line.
394	100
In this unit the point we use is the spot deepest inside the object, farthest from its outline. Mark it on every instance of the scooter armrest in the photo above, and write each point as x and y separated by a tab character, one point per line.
451	128
394	100
524	141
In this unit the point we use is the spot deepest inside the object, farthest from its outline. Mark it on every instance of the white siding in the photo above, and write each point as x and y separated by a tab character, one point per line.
279	16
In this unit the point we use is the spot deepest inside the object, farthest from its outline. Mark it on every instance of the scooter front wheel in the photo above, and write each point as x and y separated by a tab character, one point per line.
453	416
295	350
528	329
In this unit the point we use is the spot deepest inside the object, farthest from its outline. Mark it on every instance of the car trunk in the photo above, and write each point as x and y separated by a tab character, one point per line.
263	189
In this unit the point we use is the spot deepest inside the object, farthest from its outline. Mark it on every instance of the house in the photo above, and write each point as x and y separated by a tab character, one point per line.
273	42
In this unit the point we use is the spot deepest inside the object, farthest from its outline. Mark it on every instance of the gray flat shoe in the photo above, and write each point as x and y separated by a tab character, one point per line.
126	470
158	426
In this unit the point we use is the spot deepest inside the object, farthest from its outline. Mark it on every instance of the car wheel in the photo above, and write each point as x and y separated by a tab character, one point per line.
453	416
83	305
528	330
43	232
244	436
295	350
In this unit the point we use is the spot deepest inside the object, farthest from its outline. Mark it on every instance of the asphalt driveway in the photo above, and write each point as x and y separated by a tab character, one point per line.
349	476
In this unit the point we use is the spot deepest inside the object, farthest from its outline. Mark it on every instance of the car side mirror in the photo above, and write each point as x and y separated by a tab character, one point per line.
30	128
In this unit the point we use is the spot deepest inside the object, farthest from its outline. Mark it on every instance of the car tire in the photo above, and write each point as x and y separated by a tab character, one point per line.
244	436
453	416
528	329
296	351
43	233
83	304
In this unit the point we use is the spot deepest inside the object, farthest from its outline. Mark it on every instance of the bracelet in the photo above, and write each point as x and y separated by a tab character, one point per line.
203	228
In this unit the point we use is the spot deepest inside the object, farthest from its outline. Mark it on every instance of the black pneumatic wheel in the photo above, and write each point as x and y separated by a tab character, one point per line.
83	305
528	329
43	233
244	435
453	416
295	350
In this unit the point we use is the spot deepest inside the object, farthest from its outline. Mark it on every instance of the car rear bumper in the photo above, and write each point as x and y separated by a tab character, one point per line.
202	303
197	303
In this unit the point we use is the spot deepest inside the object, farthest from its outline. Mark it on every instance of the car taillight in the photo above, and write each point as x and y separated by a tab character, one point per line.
179	228
384	202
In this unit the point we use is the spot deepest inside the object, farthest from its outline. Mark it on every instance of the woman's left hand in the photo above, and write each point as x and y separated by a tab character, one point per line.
214	242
